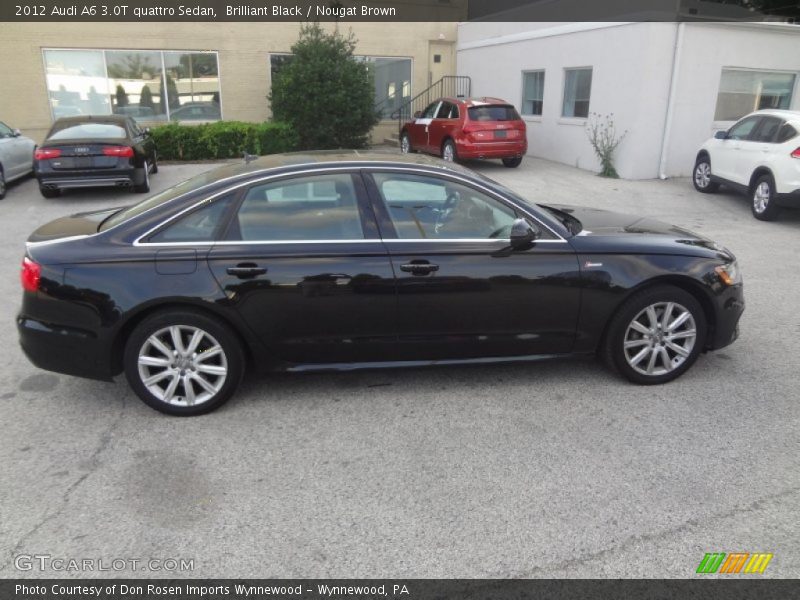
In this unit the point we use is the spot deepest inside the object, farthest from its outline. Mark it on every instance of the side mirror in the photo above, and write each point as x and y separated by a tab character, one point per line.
523	234
16	133
721	135
417	114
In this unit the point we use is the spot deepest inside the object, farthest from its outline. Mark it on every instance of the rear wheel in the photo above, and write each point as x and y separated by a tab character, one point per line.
49	192
2	184
154	168
449	151
702	176
512	163
183	362
656	335
144	186
763	203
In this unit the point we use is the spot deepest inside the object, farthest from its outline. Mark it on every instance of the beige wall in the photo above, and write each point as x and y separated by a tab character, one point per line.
243	48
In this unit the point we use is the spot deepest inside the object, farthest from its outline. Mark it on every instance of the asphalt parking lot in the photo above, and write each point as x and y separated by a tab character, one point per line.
555	469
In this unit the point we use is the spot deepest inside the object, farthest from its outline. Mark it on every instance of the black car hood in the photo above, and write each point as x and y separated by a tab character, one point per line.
619	232
75	225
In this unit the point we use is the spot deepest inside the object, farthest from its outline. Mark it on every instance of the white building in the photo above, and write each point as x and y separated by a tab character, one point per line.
669	85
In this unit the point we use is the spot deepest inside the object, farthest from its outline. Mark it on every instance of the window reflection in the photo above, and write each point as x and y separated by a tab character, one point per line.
147	85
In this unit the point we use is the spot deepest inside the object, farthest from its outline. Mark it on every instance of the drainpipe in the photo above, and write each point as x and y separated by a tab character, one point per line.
673	82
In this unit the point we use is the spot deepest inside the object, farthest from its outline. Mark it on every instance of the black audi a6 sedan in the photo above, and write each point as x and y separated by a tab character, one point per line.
343	260
95	151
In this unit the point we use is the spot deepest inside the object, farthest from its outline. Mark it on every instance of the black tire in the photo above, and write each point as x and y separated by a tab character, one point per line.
621	327
701	176
512	163
49	192
144	186
762	199
154	168
449	151
184	371
405	144
2	184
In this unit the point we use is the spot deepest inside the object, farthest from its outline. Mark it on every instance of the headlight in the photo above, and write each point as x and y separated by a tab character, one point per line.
729	274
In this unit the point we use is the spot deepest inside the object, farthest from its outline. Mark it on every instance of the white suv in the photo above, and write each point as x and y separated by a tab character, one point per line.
760	156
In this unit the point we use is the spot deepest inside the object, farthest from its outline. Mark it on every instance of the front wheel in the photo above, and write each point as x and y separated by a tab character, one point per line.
763	204
183	362
154	168
656	335
449	151
512	163
2	184
701	177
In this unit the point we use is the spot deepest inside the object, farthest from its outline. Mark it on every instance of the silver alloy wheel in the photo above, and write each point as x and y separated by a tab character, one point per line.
405	144
447	152
2	183
702	174
182	365
660	338
761	197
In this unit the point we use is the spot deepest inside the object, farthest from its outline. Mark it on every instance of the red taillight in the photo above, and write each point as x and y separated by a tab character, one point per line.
796	153
121	151
29	275
45	153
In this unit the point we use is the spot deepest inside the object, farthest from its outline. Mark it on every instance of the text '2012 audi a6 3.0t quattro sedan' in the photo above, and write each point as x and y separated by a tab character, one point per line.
343	260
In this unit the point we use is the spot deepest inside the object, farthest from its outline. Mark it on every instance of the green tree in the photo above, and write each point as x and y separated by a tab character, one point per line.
146	96
324	92
122	96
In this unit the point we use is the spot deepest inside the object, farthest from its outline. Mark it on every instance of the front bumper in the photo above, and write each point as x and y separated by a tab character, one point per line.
729	308
63	349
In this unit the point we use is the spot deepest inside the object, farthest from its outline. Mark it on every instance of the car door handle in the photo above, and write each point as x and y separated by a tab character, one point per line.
245	270
419	268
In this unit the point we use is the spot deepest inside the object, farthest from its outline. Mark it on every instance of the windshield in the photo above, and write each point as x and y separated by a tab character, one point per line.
83	131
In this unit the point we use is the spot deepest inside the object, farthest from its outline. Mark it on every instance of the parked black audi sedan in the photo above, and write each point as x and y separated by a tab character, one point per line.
95	151
343	260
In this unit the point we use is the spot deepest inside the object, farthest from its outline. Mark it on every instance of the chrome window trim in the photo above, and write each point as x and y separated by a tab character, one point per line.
354	167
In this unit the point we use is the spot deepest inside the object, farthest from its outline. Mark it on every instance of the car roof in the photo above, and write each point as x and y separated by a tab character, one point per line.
350	158
115	119
474	101
789	115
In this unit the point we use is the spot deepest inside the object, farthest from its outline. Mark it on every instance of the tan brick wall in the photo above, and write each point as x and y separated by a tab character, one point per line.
243	48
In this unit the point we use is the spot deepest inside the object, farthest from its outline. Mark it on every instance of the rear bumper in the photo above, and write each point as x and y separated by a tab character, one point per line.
510	149
63	350
729	309
65	180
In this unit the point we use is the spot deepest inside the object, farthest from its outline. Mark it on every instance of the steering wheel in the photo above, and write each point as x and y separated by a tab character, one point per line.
452	200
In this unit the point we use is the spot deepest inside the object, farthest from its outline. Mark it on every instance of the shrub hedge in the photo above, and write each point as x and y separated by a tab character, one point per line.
222	139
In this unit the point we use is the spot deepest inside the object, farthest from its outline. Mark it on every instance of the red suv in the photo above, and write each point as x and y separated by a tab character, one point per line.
460	128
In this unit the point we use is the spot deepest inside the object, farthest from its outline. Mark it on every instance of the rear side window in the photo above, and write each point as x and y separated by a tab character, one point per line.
200	225
786	133
313	208
493	112
79	131
767	129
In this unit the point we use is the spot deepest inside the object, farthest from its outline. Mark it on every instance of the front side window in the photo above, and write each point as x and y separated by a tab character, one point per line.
430	112
742	92
425	207
313	208
577	92
5	131
743	129
532	93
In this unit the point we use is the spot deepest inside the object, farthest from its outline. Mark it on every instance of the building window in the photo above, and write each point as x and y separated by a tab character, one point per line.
391	78
532	92
742	92
577	91
146	85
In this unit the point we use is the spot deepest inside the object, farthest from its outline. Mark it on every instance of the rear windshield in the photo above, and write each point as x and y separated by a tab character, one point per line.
493	112
83	131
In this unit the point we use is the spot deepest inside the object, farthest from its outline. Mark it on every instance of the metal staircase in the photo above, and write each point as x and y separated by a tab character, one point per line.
449	86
